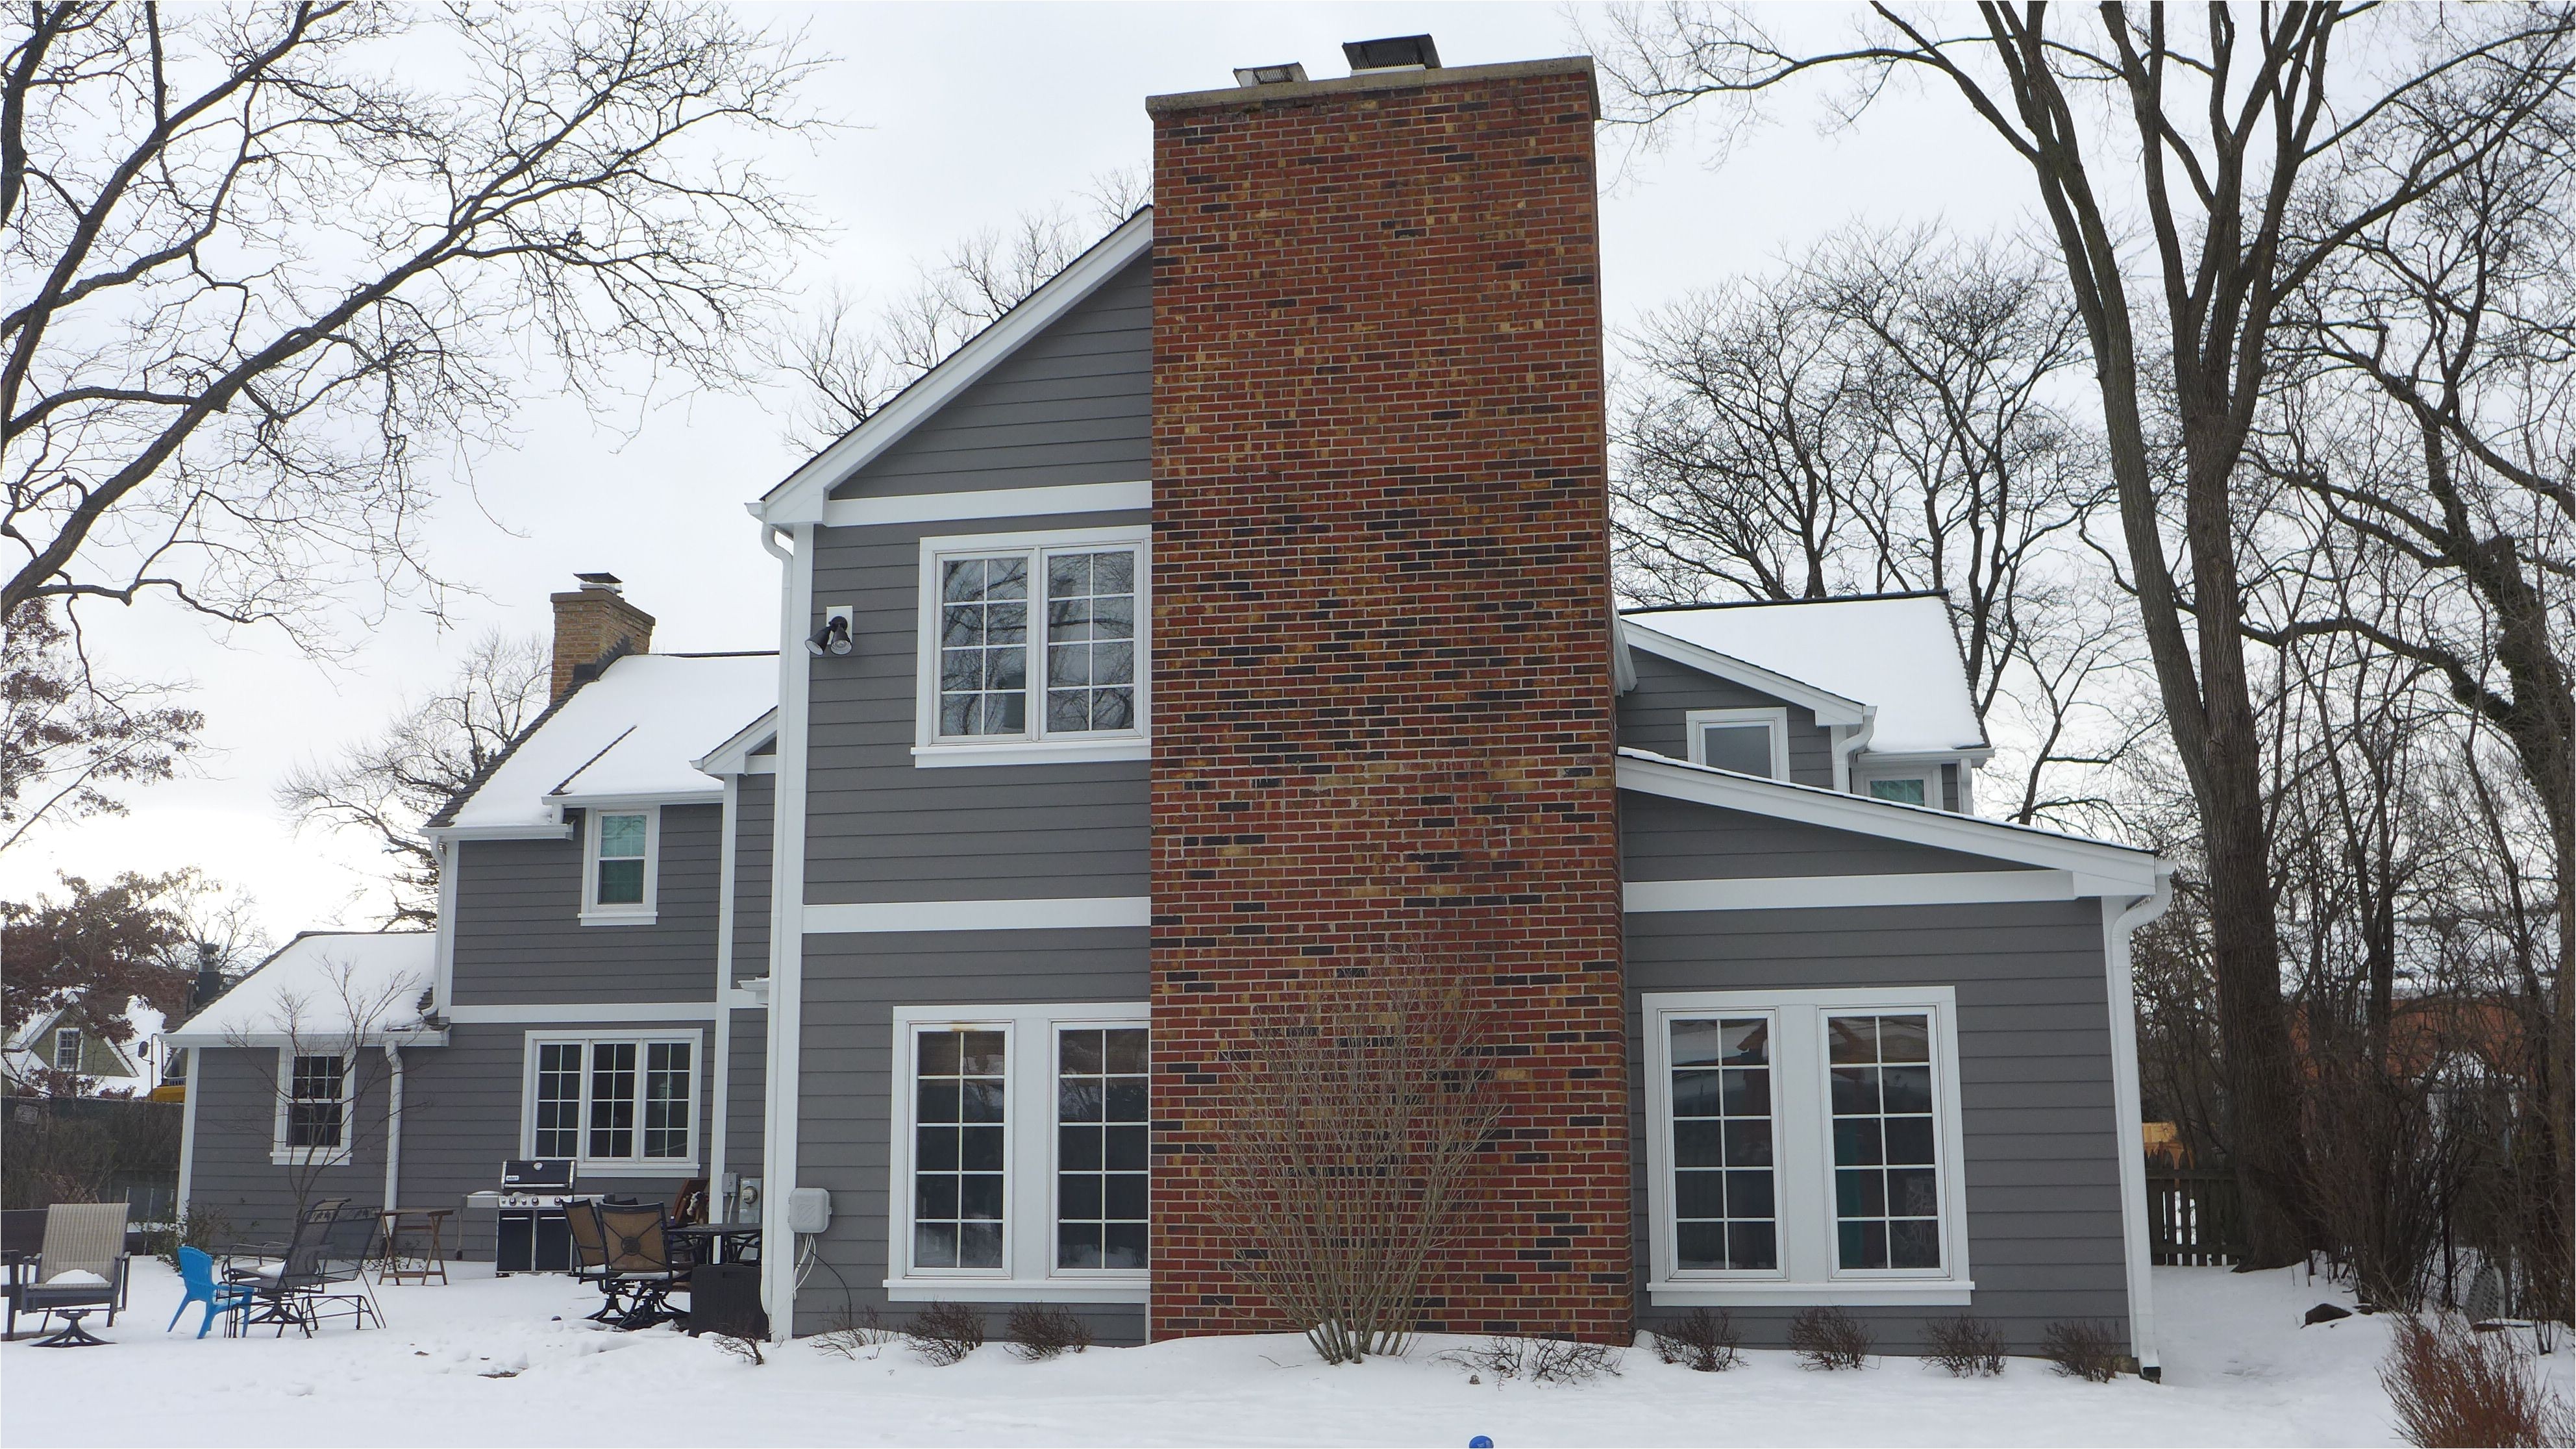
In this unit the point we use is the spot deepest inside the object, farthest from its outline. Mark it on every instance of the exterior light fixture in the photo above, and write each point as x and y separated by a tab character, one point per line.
832	638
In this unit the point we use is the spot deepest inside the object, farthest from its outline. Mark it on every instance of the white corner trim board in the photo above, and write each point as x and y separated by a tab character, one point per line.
1068	913
1777	893
989	503
782	1079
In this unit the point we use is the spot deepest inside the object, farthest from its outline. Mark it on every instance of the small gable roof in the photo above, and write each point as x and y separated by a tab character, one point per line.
321	986
1896	652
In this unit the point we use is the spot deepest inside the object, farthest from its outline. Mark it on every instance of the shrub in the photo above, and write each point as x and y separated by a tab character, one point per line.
1043	1330
945	1332
2452	1385
2091	1351
1967	1346
746	1349
861	1333
1828	1338
1539	1360
200	1228
1706	1341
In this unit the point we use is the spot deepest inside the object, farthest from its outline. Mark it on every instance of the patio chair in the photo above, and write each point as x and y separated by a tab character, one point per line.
590	1258
642	1263
232	1300
81	1267
328	1251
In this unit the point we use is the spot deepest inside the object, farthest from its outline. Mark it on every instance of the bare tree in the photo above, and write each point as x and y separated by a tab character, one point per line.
264	262
2235	128
68	733
321	1056
388	786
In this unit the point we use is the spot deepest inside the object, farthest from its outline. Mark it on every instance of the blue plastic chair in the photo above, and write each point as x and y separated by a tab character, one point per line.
198	1272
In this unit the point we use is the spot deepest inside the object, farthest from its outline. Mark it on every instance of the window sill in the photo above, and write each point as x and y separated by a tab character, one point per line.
1031	752
1017	1290
295	1157
617	918
1873	1293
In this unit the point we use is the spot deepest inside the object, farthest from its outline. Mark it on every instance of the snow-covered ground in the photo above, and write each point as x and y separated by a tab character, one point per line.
509	1361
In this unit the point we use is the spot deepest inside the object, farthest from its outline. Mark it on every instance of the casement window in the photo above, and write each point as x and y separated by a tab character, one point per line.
67	1049
1917	784
313	1092
1747	741
620	873
620	1105
1020	1154
1033	646
1803	1147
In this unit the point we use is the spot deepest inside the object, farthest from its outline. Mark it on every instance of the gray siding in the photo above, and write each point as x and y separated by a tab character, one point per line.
519	936
1651	715
852	985
2036	1106
1666	839
746	1108
755	814
233	1178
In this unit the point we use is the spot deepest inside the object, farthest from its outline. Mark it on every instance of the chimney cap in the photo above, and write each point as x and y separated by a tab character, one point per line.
610	582
1290	73
1394	52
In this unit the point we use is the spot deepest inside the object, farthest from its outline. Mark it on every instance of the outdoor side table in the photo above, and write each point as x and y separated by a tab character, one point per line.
415	1245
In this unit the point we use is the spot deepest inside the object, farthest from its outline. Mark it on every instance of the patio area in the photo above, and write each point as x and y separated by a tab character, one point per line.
483	1361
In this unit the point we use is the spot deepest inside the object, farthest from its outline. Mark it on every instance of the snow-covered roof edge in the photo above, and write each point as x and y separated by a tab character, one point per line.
212	1027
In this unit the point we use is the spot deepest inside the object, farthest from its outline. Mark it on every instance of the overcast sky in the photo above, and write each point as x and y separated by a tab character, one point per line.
958	116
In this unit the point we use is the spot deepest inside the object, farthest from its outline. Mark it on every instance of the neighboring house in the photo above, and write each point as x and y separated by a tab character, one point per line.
1239	607
59	1048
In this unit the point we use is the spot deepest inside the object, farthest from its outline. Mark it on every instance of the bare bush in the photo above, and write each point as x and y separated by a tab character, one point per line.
861	1333
2452	1385
1364	1105
1043	1330
2093	1352
1539	1360
1706	1341
1829	1339
1967	1346
945	1333
741	1347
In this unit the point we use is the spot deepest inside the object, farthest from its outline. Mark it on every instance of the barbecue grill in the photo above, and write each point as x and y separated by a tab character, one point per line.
530	1234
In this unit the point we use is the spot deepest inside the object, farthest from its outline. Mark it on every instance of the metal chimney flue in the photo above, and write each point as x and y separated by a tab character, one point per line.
1395	52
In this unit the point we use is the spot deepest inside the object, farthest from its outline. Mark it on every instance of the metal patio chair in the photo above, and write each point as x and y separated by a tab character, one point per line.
81	1267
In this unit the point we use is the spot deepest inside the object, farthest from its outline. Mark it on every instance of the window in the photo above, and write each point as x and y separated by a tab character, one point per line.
619	869
1033	646
67	1049
617	1105
1905	784
1805	1148
1020	1154
1747	741
312	1107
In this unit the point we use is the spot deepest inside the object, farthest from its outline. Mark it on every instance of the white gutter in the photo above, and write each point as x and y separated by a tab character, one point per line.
187	1132
1848	745
393	1125
720	1094
2130	1135
786	933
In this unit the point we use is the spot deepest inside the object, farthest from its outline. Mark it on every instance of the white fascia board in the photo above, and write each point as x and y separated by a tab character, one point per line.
408	1037
533	830
1829	708
2098	867
1623	665
1963	755
713	794
1806	892
989	503
733	757
582	1013
803	496
1044	914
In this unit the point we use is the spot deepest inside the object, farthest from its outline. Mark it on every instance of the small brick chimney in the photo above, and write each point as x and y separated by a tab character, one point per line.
1382	705
593	625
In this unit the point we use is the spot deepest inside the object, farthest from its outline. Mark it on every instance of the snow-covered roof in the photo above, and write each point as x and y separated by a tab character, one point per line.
1894	651
630	734
322	986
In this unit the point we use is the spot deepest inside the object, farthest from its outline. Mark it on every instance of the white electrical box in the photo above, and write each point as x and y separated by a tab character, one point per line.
809	1210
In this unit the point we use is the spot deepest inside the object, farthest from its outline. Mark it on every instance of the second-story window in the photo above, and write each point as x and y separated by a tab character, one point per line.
1033	642
618	867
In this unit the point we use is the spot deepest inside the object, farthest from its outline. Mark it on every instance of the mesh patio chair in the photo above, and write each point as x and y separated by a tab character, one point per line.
590	1258
330	1250
641	1262
81	1267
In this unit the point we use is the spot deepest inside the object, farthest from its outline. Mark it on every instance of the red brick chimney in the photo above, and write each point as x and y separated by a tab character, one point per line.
1382	684
594	625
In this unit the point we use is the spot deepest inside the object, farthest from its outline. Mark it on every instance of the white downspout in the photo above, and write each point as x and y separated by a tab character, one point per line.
1850	745
393	1125
2128	1102
722	1066
188	1132
786	935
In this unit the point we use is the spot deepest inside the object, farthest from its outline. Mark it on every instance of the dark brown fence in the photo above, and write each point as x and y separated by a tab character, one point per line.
2194	1217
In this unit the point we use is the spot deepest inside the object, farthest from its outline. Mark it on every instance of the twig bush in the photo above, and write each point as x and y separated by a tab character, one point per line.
1830	1339
1043	1330
1539	1360
861	1333
2452	1385
1968	1346
945	1332
1706	1341
2091	1351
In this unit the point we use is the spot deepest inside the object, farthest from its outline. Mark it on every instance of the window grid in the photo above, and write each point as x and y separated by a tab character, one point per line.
959	1186
612	1099
67	1049
621	860
313	1102
983	646
1091	641
1887	1191
1724	1194
1101	1147
558	1100
666	1099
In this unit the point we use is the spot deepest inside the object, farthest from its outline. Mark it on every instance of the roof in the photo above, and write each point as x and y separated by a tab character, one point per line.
1894	651
320	986
30	1053
632	733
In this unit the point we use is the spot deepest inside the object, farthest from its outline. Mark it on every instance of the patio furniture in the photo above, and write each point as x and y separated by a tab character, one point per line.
232	1300
590	1257
641	1261
81	1266
329	1250
415	1248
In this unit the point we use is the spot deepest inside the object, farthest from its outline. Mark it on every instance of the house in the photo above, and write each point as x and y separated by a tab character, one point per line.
59	1047
1238	609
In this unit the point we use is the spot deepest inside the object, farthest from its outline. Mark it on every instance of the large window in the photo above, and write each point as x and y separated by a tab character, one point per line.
619	874
614	1103
1020	1154
1747	741
1033	644
313	1093
1804	1148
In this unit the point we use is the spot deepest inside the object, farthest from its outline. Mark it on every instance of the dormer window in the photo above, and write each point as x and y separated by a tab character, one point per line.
617	885
1747	741
1033	647
1913	784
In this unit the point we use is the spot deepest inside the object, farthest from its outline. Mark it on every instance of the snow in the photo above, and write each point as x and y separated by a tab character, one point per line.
629	734
482	1361
1896	653
316	980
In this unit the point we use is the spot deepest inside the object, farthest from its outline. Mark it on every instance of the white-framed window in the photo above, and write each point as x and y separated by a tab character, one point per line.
1020	1154
1908	784
621	1104
313	1101
67	1049
1748	741
1034	646
1804	1147
620	864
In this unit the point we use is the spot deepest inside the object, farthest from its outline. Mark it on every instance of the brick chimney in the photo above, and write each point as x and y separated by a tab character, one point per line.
1382	705
593	625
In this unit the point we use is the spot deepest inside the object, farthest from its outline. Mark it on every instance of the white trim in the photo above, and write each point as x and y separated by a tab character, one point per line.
1902	1293
781	1110
733	757
988	503
801	499
188	1133
1802	892
449	855
55	1063
641	913
930	748
2099	867
1775	719
2137	1254
536	830
393	1123
1066	913
720	1069
281	1154
587	1165
1017	1290
581	1013
1829	708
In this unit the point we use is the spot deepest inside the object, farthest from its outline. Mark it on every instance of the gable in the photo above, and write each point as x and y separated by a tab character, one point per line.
1652	715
